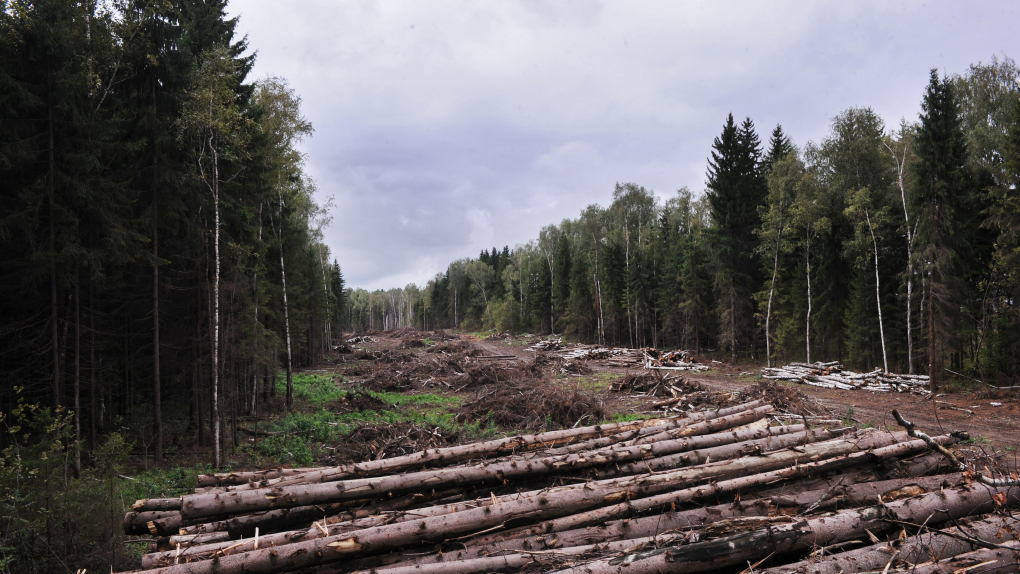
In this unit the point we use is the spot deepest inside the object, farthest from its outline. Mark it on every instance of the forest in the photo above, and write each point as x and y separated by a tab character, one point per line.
162	254
163	264
881	246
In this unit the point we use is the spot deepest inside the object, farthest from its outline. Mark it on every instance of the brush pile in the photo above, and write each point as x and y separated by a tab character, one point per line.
711	489
833	376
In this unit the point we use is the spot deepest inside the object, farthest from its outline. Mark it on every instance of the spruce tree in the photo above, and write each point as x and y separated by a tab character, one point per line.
941	199
736	190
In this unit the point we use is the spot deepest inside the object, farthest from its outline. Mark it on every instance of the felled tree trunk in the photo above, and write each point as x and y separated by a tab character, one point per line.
913	550
934	508
215	504
500	447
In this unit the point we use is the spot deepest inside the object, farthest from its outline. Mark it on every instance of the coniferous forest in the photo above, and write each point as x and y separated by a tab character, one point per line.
882	246
163	262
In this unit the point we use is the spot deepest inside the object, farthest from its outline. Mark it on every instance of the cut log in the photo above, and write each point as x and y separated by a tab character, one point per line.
199	505
451	455
1002	560
553	502
743	483
850	495
932	509
157	504
913	550
232	478
138	522
703	455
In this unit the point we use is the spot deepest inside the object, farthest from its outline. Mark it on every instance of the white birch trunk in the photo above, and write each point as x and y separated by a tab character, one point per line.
286	311
807	337
878	297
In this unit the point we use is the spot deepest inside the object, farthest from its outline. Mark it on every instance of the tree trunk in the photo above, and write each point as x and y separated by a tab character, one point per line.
799	535
156	408
772	290
77	372
536	538
878	296
932	375
499	447
286	313
217	442
214	504
807	332
536	505
92	367
50	192
915	549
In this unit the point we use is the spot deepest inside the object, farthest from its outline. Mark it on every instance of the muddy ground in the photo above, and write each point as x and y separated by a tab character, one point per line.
500	383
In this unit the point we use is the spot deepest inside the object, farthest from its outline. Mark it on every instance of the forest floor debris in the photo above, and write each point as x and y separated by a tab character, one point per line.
645	493
422	411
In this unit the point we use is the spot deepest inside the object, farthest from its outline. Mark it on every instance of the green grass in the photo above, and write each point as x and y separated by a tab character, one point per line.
596	382
627	417
312	388
299	437
426	399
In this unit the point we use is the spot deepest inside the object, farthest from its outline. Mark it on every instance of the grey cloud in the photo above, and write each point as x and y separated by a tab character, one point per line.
443	128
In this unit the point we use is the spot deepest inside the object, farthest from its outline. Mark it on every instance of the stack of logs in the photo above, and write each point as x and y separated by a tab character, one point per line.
711	489
833	376
671	360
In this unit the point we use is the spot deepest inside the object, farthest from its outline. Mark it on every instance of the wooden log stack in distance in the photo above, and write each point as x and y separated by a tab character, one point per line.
712	489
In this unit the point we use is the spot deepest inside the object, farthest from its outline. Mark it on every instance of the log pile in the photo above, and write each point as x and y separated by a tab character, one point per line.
709	489
671	360
833	376
360	339
547	345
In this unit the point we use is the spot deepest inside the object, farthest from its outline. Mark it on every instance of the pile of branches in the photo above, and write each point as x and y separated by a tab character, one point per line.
832	375
703	491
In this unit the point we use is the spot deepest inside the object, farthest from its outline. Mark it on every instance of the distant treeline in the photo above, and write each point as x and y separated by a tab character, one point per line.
894	248
161	253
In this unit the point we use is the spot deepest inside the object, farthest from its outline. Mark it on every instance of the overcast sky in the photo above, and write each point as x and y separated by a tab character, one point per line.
442	128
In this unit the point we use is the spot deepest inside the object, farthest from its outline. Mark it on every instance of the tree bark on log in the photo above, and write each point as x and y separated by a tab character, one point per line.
527	506
932	509
500	447
702	492
138	522
1004	560
153	504
235	478
914	549
851	495
705	455
214	504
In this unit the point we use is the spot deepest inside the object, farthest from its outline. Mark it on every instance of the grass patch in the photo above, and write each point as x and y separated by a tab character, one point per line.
627	417
426	399
596	382
313	388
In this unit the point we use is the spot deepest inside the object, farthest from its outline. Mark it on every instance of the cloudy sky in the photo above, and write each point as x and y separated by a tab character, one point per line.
442	128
